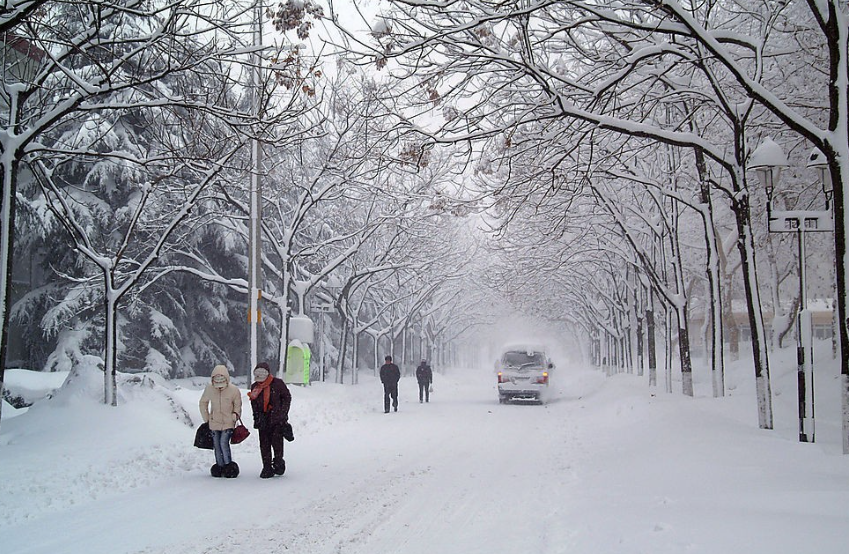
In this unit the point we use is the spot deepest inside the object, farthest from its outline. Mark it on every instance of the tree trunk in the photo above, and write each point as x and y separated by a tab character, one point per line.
283	346
836	148
840	232
667	325
704	330
746	247
790	322
627	355
7	242
712	272
110	354
717	338
639	339
652	344
343	347
684	352
834	330
681	306
732	330
355	348
408	349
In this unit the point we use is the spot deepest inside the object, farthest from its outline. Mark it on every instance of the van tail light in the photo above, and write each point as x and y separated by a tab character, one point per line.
501	378
544	379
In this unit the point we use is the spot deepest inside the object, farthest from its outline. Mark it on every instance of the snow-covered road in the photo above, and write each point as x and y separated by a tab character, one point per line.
459	474
607	466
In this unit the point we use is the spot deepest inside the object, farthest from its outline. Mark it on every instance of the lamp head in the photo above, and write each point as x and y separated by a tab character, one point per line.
818	161
767	161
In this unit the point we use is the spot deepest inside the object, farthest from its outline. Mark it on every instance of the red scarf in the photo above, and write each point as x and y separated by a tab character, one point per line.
264	388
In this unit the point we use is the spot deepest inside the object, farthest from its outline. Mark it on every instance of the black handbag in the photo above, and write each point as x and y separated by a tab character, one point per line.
203	437
288	434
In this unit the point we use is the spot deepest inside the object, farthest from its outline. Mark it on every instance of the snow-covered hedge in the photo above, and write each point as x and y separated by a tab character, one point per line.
23	387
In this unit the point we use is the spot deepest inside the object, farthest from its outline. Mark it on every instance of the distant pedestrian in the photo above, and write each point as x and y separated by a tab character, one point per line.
424	375
221	406
270	401
389	376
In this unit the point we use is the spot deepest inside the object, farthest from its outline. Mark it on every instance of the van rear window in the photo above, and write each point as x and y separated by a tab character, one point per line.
516	359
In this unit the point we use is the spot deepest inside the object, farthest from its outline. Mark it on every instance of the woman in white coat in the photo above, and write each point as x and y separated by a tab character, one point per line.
221	407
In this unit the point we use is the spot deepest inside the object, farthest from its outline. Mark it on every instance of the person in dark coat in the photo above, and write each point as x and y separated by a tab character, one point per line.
424	375
270	401
389	376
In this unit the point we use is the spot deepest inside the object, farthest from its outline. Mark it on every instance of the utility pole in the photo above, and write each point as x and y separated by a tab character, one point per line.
255	234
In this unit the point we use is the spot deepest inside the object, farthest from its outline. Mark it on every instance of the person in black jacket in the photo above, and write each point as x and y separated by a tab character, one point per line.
389	376
424	375
270	401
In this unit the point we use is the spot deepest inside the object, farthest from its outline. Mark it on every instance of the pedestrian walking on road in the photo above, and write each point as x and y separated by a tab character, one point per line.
424	375
220	407
270	401
389	376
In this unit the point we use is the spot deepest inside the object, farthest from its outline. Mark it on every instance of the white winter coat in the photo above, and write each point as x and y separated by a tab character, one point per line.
221	407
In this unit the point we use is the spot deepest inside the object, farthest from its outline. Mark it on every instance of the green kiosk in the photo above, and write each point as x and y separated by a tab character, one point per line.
298	352
297	363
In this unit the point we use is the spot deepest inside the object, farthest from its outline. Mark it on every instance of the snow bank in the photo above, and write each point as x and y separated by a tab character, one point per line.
31	385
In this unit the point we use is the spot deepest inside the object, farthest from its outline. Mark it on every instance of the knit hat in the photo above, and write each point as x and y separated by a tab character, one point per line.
261	371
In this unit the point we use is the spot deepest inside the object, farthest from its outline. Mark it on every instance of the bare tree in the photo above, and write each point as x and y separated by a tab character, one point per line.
517	65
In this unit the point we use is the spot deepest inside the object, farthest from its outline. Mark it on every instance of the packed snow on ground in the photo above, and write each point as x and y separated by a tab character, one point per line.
609	465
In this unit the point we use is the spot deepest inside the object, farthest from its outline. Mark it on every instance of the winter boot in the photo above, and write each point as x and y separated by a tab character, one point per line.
231	470
216	470
266	473
279	466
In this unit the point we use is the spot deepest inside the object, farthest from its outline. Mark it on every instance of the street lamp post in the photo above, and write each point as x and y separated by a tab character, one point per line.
333	285
255	227
320	309
767	161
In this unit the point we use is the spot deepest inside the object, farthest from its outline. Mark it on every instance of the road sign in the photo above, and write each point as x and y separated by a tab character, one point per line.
793	221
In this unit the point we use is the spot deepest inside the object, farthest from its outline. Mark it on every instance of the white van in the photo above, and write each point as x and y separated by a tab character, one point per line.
524	371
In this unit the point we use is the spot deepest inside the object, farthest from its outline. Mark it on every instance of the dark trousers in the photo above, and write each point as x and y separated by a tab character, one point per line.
270	439
390	389
424	389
